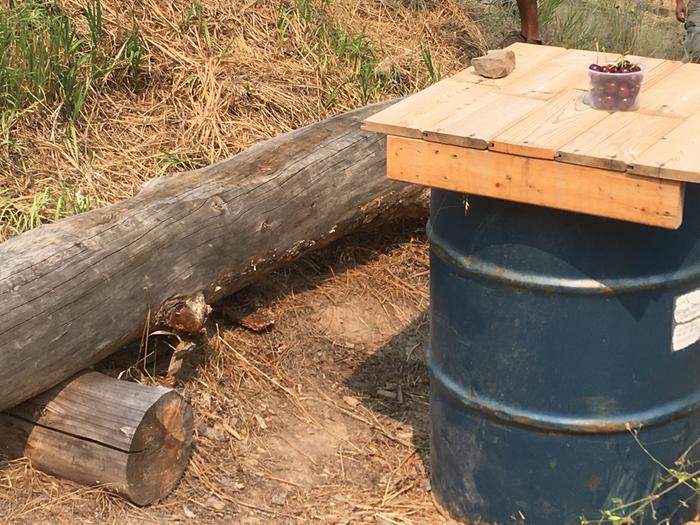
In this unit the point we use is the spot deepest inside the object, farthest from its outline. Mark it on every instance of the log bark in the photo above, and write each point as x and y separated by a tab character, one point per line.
73	292
132	439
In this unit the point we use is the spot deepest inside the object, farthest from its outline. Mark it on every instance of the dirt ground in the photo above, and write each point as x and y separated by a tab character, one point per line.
321	419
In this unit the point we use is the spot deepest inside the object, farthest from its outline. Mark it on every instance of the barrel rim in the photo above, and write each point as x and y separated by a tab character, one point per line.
484	270
509	415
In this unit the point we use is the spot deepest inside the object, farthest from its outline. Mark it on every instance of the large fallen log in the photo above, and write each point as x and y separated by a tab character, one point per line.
73	292
132	439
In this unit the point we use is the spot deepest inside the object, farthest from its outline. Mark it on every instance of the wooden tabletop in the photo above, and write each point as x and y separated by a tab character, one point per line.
538	111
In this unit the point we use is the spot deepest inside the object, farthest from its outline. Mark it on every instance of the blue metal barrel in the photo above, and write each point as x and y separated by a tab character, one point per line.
564	361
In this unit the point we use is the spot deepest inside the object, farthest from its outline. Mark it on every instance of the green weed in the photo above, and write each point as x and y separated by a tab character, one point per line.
686	476
93	15
184	161
134	54
344	61
428	61
43	57
196	16
45	206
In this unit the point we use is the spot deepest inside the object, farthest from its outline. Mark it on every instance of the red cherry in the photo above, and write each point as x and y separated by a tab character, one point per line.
611	88
626	103
623	91
595	67
605	69
607	102
635	69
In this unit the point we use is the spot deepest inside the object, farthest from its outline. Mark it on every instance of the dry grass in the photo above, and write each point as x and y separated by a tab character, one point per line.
217	77
274	443
323	419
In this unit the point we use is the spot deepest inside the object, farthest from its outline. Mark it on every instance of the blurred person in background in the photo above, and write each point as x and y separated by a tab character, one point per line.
689	14
529	24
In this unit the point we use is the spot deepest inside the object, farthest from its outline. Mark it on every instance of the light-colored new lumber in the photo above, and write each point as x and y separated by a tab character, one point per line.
616	141
541	182
675	155
477	125
548	80
427	109
542	132
676	94
528	58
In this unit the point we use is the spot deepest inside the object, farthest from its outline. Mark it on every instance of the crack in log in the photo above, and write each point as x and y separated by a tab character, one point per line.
70	434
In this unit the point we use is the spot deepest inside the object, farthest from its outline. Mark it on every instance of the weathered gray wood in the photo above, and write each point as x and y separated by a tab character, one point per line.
72	293
132	439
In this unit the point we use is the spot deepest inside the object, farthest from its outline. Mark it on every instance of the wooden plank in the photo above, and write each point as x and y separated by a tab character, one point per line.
528	57
427	108
430	112
476	125
614	142
674	156
677	94
562	73
656	71
544	131
541	182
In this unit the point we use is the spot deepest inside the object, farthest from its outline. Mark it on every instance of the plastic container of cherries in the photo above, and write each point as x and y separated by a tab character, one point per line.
616	86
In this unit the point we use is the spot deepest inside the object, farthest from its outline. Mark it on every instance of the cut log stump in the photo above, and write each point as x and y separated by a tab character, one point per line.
74	292
132	439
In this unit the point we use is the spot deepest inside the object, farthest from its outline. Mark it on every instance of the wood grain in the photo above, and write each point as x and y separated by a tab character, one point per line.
675	155
543	131
426	109
537	111
675	95
73	292
528	58
465	109
541	182
614	142
477	125
562	73
132	439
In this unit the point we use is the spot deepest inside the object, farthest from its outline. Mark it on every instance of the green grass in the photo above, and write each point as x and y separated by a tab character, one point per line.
134	55
45	60
47	66
684	475
16	219
614	26
42	57
196	17
345	61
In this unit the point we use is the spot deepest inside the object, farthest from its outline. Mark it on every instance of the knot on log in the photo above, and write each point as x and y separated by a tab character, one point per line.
183	314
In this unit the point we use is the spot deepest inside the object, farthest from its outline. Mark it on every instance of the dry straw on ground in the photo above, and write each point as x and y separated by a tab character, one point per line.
219	76
323	419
